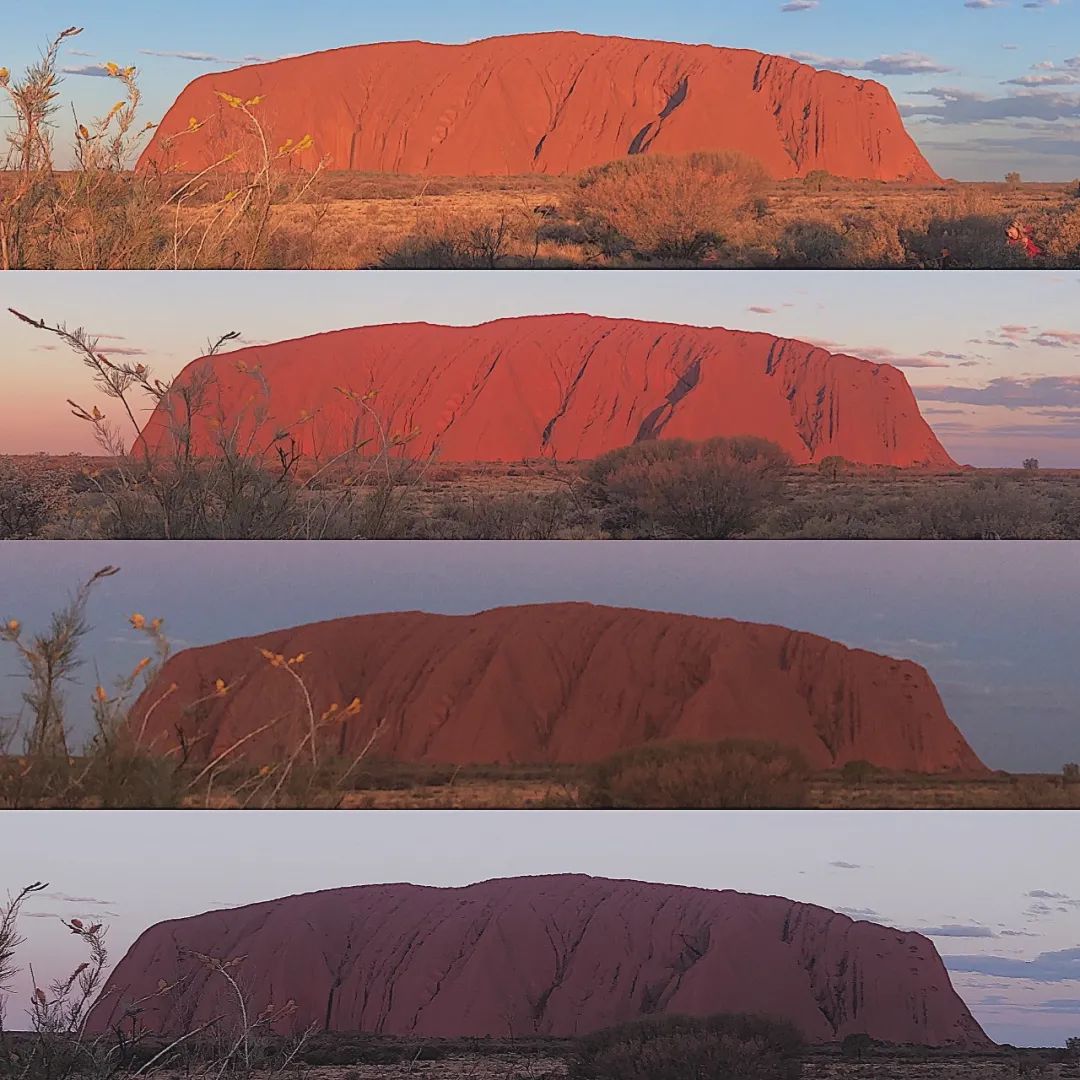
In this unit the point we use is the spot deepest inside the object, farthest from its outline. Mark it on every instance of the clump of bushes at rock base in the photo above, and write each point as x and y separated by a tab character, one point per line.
723	1047
733	774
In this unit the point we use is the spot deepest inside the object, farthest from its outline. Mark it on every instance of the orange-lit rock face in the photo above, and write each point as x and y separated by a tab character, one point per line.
545	103
573	386
556	956
557	683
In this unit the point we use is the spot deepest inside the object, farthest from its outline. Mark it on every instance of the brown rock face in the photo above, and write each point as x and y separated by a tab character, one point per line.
545	103
556	683
573	386
560	956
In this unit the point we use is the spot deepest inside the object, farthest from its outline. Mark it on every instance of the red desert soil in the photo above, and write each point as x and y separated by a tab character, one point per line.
546	103
572	386
554	955
556	683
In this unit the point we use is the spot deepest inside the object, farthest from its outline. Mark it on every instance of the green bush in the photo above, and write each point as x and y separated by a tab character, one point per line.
691	1048
731	775
675	489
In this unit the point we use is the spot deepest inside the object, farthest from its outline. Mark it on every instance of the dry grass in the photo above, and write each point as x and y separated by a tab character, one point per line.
370	221
68	497
356	221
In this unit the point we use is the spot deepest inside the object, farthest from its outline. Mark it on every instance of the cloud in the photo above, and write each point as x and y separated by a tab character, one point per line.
205	58
762	310
800	5
955	106
905	63
66	899
882	354
1011	392
841	865
1049	967
954	930
1064	899
861	913
93	71
980	5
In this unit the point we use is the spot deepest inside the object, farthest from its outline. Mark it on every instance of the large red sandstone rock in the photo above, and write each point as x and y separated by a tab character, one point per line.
560	955
573	386
558	683
545	103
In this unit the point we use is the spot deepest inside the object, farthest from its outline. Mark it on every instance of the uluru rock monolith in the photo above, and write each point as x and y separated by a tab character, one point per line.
569	386
557	955
551	103
552	683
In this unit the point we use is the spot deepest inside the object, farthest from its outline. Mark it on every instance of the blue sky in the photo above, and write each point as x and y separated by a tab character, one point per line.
1016	912
996	625
988	85
994	358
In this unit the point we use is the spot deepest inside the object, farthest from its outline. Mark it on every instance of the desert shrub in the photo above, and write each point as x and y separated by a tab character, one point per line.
732	775
1031	464
463	242
32	494
859	772
667	207
812	243
969	242
678	489
245	482
690	1048
872	239
550	515
856	1046
1070	774
833	466
1058	232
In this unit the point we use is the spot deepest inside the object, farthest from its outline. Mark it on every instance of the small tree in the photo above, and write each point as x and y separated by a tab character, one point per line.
1012	179
1070	773
833	466
856	1046
1072	1045
817	179
1031	464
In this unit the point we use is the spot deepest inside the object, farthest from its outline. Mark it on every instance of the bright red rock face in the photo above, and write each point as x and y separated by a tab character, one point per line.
559	956
557	683
545	103
572	386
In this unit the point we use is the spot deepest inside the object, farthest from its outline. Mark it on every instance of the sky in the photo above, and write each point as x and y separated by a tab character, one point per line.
1008	926
996	625
994	358
986	86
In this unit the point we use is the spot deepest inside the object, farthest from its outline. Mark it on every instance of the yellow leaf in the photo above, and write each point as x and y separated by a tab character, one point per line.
112	69
137	621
